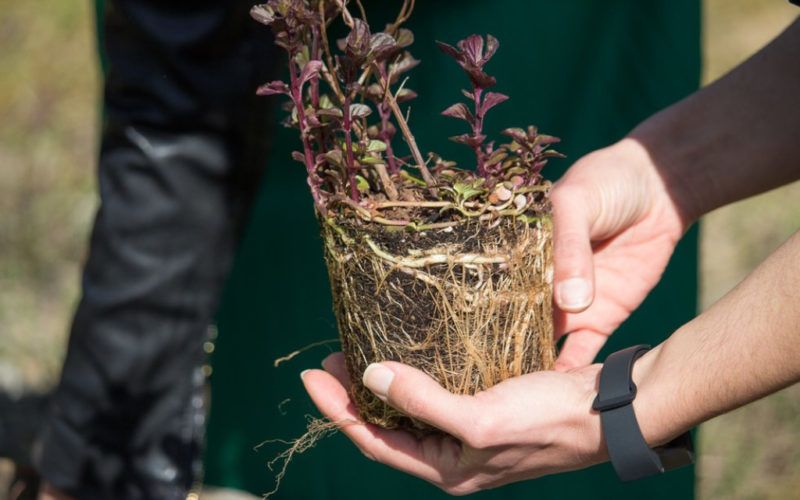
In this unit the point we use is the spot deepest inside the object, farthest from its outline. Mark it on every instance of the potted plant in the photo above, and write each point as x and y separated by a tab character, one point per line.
443	268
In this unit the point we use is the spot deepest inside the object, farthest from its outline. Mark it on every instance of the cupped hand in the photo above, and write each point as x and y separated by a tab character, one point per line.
522	428
616	224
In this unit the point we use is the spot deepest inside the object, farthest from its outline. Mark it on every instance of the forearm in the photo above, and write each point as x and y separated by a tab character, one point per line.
744	347
735	138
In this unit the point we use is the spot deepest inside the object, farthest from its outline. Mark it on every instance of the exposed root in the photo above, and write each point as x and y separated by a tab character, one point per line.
296	353
470	305
317	429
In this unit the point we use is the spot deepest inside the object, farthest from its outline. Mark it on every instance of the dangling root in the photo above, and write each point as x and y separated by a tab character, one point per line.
469	305
296	353
317	429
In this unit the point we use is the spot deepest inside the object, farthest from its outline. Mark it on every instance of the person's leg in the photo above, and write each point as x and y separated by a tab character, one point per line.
182	146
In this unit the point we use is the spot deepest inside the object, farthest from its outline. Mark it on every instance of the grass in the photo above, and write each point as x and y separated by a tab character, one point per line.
48	101
751	452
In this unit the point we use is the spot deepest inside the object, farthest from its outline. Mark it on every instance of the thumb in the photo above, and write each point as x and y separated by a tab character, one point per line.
419	396
572	249
579	350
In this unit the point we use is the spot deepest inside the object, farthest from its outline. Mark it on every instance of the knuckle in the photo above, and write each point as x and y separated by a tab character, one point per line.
481	434
414	403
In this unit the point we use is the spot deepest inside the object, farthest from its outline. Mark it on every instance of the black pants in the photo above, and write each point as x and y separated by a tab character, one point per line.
183	143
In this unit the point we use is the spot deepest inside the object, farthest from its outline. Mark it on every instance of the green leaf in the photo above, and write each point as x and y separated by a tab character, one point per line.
529	219
326	103
467	191
362	184
375	146
370	160
405	175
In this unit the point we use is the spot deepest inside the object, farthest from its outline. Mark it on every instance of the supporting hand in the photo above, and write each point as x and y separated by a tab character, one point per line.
522	428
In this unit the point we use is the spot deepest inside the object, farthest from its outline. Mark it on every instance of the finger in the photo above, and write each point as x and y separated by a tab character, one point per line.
572	249
604	317
334	364
398	449
417	395
580	348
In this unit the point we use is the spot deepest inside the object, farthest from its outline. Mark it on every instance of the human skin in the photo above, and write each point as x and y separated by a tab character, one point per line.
618	214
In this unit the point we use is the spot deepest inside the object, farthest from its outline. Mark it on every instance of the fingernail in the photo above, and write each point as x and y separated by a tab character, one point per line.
303	374
574	293
378	378
325	363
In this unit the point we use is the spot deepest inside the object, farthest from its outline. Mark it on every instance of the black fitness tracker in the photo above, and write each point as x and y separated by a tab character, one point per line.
630	455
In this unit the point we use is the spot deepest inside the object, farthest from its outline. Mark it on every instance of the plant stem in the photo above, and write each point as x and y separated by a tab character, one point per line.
477	131
407	135
385	114
308	152
326	47
386	180
348	141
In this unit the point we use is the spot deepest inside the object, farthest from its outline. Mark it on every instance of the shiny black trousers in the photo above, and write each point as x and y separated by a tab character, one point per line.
183	143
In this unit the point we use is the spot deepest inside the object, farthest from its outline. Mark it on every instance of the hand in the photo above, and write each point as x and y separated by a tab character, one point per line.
48	492
616	226
522	428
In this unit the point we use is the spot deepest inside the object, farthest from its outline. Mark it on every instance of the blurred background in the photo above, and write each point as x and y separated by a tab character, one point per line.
49	115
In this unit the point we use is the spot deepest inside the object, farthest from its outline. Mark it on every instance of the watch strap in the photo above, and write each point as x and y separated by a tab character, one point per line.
630	454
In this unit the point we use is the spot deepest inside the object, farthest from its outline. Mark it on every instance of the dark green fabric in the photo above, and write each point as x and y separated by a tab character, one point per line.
584	70
587	71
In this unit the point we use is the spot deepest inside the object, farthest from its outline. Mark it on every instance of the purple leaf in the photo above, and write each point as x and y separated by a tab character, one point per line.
310	70
517	134
358	40
461	139
298	156
479	78
404	64
492	44
472	46
459	110
449	50
491	100
312	120
273	88
469	140
546	139
382	45
469	95
405	95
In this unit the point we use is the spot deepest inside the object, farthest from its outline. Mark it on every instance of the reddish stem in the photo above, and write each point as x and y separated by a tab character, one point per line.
308	152
391	161
477	130
348	141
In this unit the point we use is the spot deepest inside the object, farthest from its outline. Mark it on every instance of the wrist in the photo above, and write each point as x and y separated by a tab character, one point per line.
588	424
657	405
665	196
673	158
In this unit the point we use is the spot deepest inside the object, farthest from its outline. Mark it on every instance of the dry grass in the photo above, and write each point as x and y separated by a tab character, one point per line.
48	105
48	101
752	452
